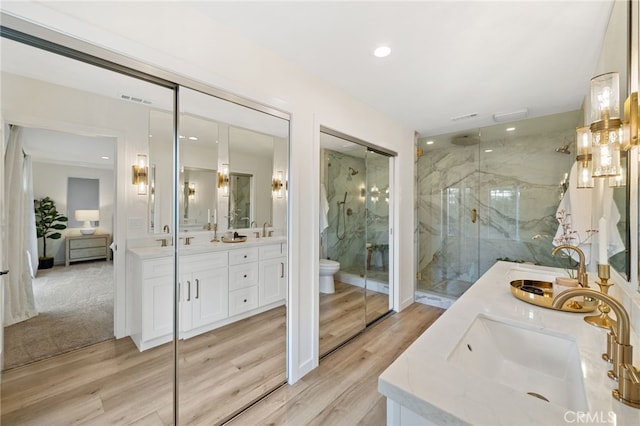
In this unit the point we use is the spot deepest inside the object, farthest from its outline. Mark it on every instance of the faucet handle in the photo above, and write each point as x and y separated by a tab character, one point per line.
628	391
257	234
163	242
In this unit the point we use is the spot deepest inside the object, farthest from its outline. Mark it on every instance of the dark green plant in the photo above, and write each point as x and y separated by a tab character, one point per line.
48	221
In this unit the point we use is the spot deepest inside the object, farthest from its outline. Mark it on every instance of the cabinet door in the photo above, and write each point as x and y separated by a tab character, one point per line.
157	307
273	281
210	296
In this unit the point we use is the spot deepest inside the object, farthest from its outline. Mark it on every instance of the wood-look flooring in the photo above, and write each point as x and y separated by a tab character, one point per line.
343	390
220	372
344	314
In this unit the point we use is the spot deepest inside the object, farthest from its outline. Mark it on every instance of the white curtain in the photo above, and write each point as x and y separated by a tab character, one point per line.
32	235
19	303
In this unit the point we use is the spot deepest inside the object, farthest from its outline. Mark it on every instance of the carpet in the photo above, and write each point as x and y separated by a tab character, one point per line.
75	309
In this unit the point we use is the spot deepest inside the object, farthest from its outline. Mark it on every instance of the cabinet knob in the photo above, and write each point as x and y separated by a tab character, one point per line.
245	275
245	300
245	256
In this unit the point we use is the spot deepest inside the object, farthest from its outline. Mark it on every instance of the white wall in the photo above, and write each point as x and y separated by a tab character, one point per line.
50	180
157	33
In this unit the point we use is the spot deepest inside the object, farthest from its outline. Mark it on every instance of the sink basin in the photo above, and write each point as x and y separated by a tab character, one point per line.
540	363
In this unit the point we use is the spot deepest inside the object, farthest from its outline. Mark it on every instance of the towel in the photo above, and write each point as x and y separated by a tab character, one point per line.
324	209
575	216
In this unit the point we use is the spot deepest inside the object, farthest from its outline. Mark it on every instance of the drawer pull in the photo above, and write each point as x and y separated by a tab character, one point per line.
282	270
188	291
197	288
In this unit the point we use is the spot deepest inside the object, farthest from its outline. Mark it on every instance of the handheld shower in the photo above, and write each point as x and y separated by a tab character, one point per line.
341	213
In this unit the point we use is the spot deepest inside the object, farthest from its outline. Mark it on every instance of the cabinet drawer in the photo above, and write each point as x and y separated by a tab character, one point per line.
87	242
241	276
158	267
240	256
272	251
203	261
84	253
243	300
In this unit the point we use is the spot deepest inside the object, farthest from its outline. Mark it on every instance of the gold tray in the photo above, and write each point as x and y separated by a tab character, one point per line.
234	240
540	293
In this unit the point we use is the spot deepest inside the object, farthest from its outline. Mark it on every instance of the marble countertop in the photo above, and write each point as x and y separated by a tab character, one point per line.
424	381
202	247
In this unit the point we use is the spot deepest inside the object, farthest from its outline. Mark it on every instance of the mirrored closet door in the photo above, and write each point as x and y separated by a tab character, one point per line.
73	332
232	257
354	238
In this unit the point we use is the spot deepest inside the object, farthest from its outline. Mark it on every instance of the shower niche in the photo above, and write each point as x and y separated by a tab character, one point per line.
355	179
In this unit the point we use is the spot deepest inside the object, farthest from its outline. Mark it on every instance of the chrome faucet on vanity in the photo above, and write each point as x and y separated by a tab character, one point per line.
628	376
583	277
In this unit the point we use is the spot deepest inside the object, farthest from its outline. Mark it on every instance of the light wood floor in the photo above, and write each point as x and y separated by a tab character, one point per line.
113	383
343	390
343	314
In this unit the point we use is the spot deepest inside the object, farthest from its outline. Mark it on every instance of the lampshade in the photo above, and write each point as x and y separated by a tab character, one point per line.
87	216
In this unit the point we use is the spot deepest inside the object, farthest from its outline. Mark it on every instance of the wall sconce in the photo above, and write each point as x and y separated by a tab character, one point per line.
621	179
223	180
191	190
87	216
140	172
278	184
375	193
583	142
606	126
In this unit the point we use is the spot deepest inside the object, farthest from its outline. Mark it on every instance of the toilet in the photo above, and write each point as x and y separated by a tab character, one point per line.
327	269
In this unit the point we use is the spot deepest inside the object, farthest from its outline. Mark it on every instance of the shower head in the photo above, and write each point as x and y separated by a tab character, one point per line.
564	149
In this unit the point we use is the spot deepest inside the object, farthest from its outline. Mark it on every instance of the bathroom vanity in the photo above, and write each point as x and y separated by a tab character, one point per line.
218	284
496	360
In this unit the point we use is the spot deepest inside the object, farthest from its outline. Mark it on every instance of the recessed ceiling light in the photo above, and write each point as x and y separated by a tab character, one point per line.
429	142
193	138
382	52
104	157
510	129
488	150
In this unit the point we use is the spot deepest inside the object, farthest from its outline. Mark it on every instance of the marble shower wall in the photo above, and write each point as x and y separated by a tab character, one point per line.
350	249
515	190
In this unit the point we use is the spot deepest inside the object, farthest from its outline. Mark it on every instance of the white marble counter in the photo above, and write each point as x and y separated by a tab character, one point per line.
423	381
202	245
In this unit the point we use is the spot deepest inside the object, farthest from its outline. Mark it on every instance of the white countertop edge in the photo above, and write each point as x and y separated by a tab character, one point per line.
422	380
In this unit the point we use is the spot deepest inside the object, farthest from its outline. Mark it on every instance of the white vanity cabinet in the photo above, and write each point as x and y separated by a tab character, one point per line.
152	307
204	286
216	286
273	274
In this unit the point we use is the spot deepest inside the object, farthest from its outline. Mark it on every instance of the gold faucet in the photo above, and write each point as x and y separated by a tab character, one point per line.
264	229
628	376
583	277
166	229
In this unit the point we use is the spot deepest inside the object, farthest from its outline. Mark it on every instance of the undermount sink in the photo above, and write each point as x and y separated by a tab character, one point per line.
537	362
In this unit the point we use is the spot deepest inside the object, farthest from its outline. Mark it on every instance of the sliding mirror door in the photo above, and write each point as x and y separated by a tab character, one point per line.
232	273
354	238
73	333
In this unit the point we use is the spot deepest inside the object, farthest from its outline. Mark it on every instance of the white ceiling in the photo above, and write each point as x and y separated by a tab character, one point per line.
449	58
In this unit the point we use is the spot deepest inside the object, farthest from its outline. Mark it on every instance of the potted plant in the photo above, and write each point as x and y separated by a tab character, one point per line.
48	223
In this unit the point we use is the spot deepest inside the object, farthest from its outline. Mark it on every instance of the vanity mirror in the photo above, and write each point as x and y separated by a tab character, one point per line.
248	147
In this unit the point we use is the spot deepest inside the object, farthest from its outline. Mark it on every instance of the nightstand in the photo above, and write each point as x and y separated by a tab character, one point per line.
87	247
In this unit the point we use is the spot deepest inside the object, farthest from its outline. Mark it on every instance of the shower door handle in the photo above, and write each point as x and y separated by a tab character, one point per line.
474	215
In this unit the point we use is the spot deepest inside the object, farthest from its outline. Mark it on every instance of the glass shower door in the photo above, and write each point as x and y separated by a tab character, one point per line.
376	268
448	216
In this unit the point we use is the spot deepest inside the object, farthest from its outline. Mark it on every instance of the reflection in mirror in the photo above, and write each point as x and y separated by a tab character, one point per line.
198	197
240	195
251	162
354	238
231	346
